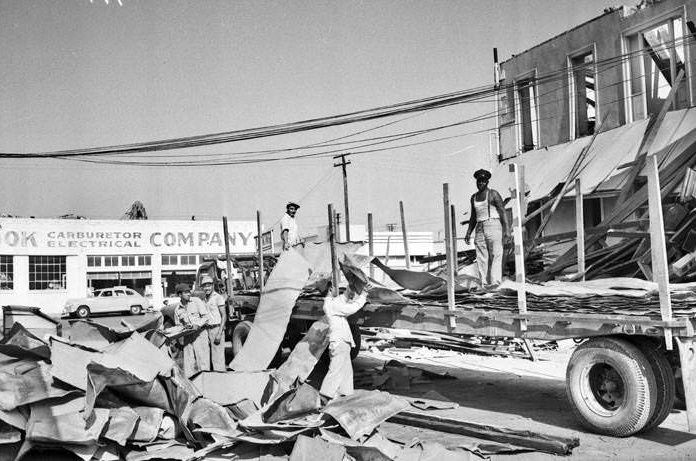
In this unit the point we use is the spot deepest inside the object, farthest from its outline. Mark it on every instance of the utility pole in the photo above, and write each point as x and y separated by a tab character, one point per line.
343	165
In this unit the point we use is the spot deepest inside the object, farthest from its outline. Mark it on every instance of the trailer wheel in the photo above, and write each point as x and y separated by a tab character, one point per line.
664	381
239	336
611	386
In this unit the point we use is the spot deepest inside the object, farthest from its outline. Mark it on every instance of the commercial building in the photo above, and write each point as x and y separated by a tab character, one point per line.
43	262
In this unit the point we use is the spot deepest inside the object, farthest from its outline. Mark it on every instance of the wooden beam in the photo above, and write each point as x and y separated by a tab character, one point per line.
580	227
451	319
516	202
371	243
454	240
521	438
334	256
407	256
658	246
259	250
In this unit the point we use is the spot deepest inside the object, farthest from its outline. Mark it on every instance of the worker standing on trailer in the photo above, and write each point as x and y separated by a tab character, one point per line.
339	379
489	219
289	232
217	314
193	314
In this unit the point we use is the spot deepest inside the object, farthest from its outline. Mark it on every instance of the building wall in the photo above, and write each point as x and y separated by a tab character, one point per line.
77	240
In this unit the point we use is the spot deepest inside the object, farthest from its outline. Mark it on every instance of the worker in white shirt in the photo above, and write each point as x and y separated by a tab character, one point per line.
288	226
217	314
339	379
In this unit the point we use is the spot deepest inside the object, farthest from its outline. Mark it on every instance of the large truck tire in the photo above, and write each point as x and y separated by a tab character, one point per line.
664	380
611	386
239	336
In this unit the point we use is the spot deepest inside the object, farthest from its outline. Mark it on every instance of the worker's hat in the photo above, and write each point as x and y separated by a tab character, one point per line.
482	174
182	287
292	204
206	279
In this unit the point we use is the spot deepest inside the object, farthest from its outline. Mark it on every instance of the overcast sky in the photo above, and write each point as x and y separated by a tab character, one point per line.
79	74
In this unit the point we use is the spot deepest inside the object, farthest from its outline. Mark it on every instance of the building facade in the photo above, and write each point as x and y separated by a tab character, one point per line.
43	262
590	92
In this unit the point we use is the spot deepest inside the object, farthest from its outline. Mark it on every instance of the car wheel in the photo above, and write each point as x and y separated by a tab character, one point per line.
135	310
82	312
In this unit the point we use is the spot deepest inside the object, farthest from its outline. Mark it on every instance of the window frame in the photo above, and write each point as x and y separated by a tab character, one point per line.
60	276
528	78
572	90
651	23
7	268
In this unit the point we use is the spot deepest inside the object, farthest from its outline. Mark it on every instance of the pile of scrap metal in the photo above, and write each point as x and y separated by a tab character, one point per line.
128	400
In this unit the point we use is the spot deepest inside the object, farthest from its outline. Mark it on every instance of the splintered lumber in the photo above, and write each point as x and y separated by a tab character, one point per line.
527	439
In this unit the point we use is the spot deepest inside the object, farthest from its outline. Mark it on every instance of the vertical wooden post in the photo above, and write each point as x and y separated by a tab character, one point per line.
450	260
455	258
517	216
407	256
371	243
226	236
260	250
334	256
580	228
658	246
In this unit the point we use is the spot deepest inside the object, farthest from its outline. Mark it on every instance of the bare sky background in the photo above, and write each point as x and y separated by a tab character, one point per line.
77	74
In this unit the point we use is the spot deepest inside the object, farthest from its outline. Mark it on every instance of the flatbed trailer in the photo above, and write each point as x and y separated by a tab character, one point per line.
620	381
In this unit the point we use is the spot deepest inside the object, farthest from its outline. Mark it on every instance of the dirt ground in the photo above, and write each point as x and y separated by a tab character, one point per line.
521	394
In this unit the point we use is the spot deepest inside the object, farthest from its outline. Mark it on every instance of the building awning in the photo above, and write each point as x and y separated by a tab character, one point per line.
546	168
118	275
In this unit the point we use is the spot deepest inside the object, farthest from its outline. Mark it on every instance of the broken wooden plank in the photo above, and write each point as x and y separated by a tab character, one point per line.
527	439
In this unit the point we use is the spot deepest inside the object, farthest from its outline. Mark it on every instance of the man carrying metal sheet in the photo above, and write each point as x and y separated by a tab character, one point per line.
217	314
339	379
193	314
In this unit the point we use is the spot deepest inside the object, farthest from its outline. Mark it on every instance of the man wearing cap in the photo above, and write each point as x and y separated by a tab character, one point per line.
339	379
489	219
288	226
192	314
217	315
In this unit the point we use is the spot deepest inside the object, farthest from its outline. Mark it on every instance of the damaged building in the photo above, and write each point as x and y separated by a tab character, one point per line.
583	104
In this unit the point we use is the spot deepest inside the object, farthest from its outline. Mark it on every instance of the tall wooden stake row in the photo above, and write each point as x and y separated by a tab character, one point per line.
580	228
371	243
260	249
407	256
334	255
658	246
455	258
517	216
452	322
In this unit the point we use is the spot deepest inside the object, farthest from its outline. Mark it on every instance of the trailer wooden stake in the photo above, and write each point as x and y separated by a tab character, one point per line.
407	256
517	197
658	246
371	243
580	228
334	256
452	323
260	250
226	236
455	258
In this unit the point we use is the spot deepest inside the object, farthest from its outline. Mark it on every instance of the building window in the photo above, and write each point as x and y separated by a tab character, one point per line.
583	96
656	55
46	272
188	260
169	260
128	260
6	272
111	261
94	261
144	260
526	107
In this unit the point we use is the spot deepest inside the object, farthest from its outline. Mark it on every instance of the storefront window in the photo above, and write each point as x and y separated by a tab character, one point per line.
144	260
188	259
6	273
111	261
47	273
128	260
94	261
169	260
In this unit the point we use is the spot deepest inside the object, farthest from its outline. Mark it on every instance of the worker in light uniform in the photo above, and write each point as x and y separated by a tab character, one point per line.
339	379
489	219
192	313
289	233
217	314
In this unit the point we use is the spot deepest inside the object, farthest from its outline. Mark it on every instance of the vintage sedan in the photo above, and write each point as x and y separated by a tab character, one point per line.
115	299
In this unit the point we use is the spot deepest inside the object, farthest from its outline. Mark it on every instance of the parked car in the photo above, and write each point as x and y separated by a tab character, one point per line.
115	299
